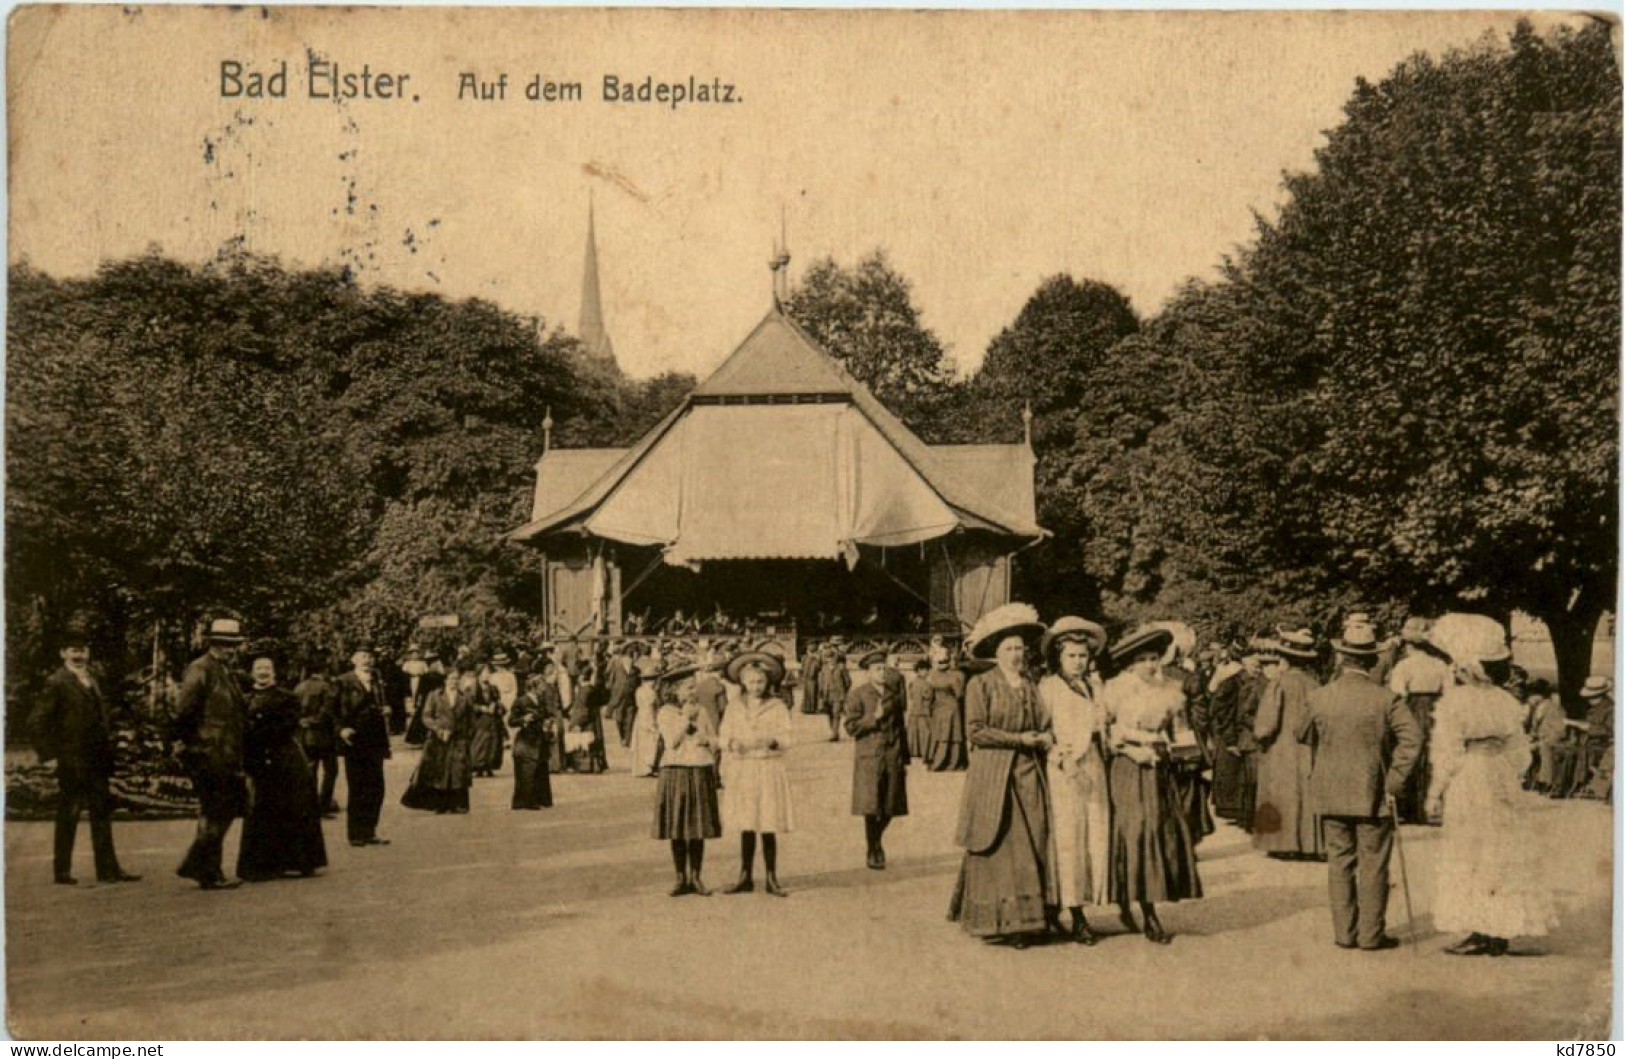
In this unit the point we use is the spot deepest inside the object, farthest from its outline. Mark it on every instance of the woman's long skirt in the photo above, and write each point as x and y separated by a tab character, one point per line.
532	786
1486	879
686	803
645	745
485	751
1153	857
919	736
1235	786
283	829
948	739
1006	890
1081	804
441	781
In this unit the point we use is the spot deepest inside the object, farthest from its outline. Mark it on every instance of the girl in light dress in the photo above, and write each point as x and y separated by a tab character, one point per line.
1079	801
686	802
756	799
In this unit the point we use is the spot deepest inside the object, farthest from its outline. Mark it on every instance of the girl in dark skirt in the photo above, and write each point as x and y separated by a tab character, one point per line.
1153	857
686	803
283	830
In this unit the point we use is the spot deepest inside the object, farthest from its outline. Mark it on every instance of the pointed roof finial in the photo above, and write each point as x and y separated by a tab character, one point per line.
780	263
547	430
1027	421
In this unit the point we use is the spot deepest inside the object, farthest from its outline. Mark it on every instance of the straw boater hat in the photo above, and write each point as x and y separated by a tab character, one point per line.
1359	640
1295	643
500	657
225	630
1597	687
1012	619
1146	639
1072	629
767	660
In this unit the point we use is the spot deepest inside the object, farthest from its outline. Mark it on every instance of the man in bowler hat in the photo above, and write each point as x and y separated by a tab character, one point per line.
363	720
208	728
72	723
1351	722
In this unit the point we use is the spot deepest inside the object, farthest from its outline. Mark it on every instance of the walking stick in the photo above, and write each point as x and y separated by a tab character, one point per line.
1404	876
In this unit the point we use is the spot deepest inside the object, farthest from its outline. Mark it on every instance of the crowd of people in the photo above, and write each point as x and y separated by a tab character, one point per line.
1094	768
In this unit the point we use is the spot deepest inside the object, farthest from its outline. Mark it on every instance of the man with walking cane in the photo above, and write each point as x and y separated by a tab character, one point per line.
1351	722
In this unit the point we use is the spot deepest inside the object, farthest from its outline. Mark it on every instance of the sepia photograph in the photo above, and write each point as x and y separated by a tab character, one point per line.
756	524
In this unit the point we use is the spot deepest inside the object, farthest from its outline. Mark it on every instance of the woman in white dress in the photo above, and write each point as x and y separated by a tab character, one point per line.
1487	883
646	731
756	797
1079	800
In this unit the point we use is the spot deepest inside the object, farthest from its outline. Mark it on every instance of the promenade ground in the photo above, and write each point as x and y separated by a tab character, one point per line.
556	924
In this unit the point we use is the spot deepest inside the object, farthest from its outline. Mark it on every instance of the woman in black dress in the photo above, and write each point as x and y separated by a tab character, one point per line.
531	719
283	831
445	772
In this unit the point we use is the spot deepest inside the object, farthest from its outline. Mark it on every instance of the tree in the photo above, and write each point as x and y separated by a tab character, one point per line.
1444	291
865	317
1089	407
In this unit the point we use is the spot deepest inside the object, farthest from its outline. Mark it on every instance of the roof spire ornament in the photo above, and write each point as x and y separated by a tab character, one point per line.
547	430
1027	422
779	265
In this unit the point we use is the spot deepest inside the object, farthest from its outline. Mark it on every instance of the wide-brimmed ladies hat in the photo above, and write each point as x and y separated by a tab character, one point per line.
1294	643
769	662
1144	640
672	674
1073	629
1596	687
1000	623
225	630
1470	638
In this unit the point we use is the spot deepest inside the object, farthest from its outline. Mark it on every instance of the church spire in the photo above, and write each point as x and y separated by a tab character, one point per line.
594	337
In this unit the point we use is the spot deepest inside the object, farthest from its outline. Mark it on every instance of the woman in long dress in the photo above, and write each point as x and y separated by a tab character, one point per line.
686	812
584	737
1284	822
1007	888
948	748
532	786
445	772
485	750
919	712
1079	800
1487	882
283	830
754	736
646	732
1152	855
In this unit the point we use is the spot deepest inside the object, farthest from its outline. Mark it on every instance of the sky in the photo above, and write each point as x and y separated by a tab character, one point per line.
983	151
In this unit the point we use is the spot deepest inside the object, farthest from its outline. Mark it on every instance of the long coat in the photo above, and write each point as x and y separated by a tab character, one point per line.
317	702
209	718
445	763
72	723
366	713
810	702
994	717
834	683
874	719
1284	821
1351	723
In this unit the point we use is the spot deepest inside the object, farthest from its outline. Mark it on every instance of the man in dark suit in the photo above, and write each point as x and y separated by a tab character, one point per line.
318	734
208	731
623	687
73	724
873	715
363	720
1351	723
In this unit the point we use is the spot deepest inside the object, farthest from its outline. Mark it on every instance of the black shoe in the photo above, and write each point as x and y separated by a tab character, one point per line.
698	888
222	883
1383	943
376	841
1471	945
880	857
118	877
774	889
65	880
745	885
358	842
679	888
